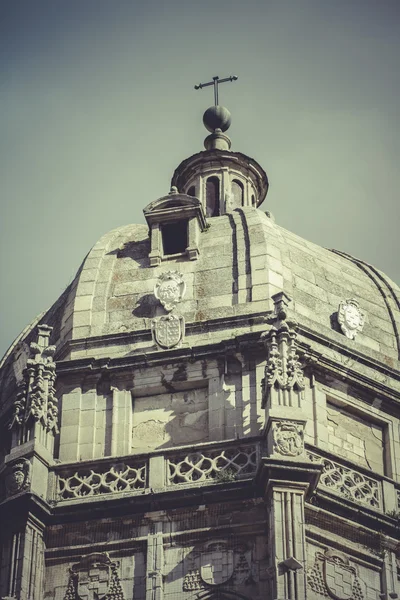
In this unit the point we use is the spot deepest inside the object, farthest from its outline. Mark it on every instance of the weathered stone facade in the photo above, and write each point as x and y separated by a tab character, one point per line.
203	416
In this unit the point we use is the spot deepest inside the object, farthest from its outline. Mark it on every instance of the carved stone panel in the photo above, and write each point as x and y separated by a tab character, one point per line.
170	289
17	476
350	318
287	438
218	563
333	576
95	577
168	331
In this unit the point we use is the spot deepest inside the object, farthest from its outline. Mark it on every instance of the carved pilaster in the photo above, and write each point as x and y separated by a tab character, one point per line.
22	560
35	411
285	486
285	502
283	386
390	582
155	564
284	379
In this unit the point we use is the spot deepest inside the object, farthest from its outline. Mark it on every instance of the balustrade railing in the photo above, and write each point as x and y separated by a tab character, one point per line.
82	481
220	464
348	482
211	462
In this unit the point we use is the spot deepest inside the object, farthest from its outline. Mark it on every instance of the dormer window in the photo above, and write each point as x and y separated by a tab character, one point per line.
174	237
175	222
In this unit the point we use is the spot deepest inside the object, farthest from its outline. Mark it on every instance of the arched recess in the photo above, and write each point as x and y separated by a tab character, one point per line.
237	193
212	197
191	191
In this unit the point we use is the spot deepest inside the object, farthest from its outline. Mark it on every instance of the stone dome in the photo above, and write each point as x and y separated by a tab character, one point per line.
108	308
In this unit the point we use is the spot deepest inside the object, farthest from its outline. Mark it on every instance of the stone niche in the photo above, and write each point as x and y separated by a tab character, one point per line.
171	419
355	438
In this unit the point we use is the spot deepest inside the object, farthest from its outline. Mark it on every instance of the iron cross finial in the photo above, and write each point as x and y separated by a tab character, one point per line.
216	80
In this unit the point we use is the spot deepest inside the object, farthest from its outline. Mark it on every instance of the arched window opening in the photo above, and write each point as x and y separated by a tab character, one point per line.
191	191
212	197
253	200
237	193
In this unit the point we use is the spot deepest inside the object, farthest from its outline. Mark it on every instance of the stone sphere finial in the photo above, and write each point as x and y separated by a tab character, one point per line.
217	117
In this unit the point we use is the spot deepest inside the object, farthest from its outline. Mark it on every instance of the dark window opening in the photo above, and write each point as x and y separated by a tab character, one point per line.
191	191
175	237
212	197
237	191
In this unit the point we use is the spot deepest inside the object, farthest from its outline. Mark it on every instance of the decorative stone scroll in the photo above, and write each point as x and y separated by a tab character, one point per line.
222	465
283	371
288	438
35	400
348	482
332	576
217	563
95	577
350	318
17	476
169	289
117	478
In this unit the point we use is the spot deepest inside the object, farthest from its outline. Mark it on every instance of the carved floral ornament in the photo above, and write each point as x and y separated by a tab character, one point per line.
283	368
35	399
350	318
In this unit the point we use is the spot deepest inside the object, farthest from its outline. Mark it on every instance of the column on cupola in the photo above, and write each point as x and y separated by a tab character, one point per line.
286	475
34	424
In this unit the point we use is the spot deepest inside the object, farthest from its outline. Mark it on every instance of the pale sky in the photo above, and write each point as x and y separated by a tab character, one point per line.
98	108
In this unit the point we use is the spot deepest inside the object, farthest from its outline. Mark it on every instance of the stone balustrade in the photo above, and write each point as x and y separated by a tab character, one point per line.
203	464
206	463
350	483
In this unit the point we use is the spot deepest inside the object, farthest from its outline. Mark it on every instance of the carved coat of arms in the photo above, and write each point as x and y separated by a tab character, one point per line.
332	575
288	438
18	476
168	331
95	577
217	563
170	289
350	318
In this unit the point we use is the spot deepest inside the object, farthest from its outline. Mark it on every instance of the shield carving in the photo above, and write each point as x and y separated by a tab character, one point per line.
168	331
93	576
95	583
339	576
216	564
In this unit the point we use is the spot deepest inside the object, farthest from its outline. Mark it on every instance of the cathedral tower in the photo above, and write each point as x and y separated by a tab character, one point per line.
211	410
